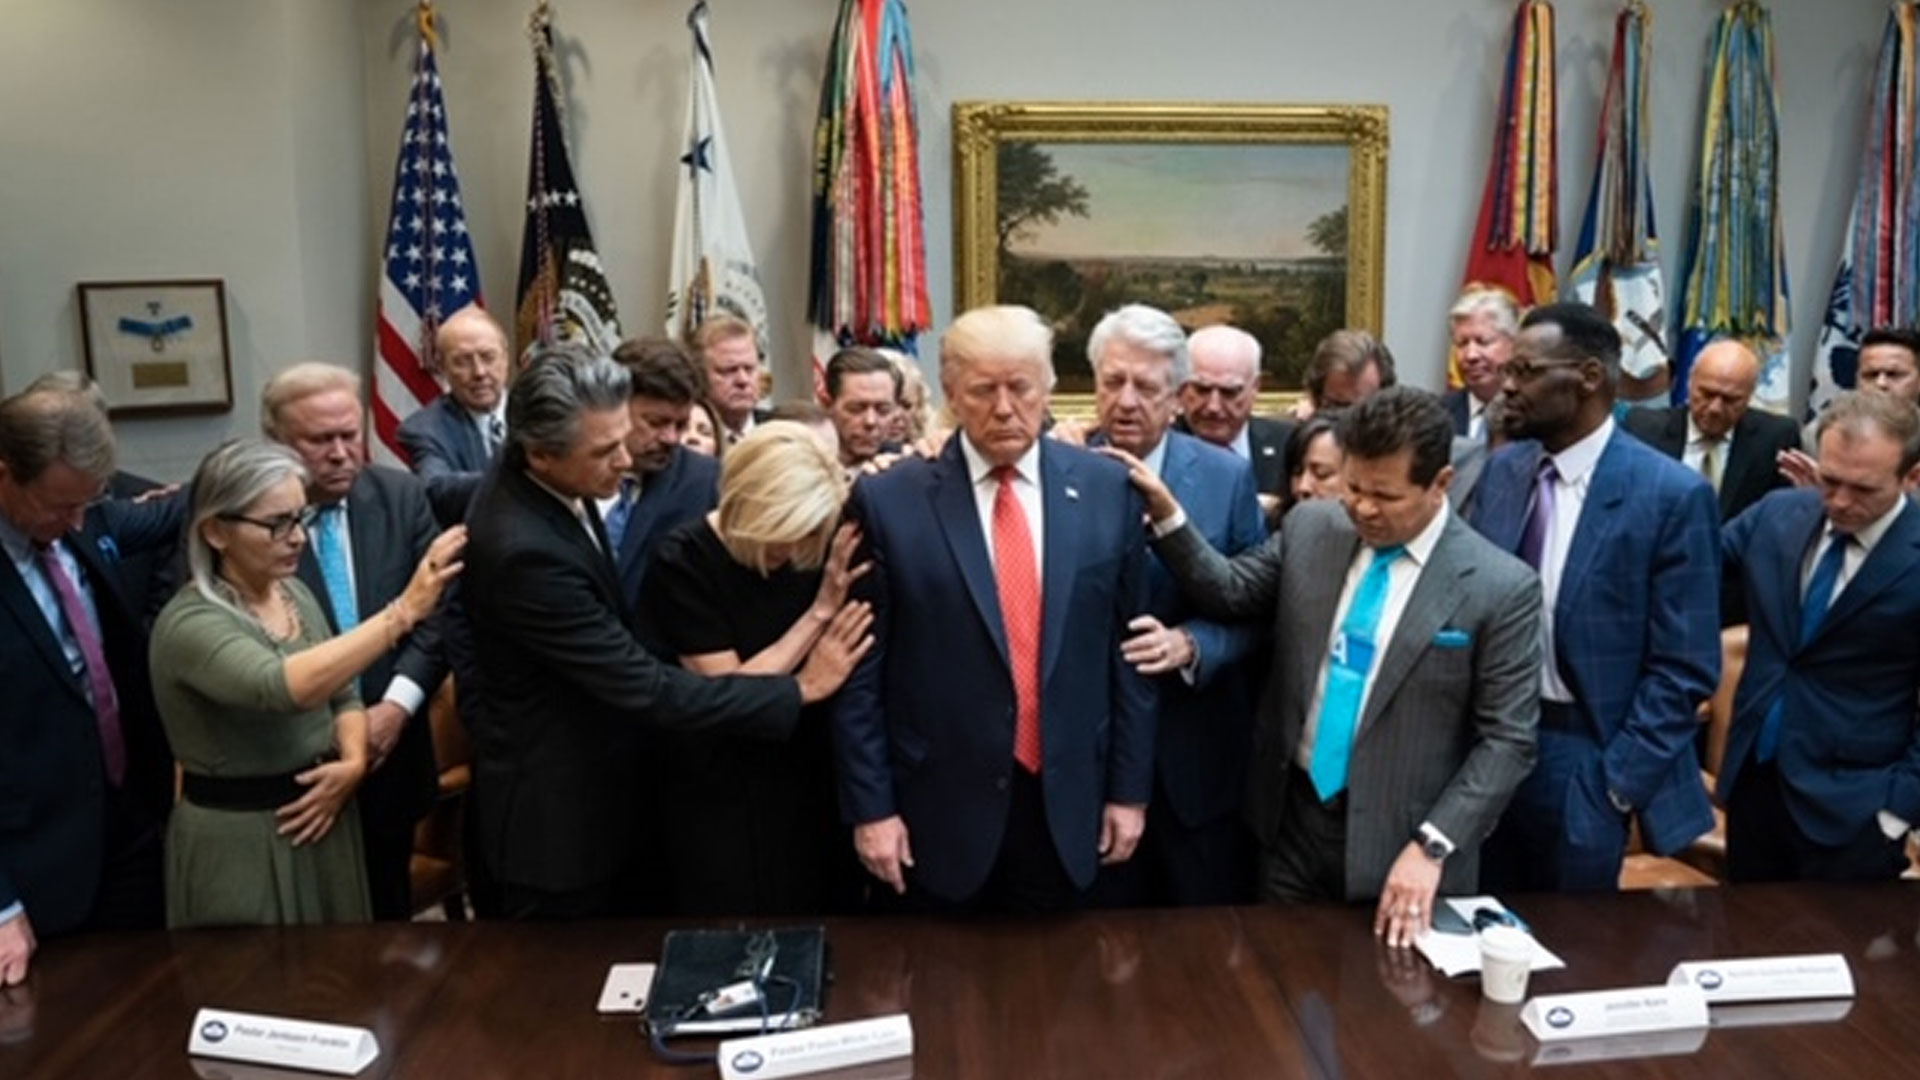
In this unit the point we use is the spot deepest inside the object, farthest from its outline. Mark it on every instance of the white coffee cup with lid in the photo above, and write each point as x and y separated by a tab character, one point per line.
1506	958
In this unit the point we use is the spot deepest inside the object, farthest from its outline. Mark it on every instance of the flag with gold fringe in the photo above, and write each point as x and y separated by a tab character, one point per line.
1616	263
1517	231
1735	284
563	294
428	270
1878	281
868	281
713	270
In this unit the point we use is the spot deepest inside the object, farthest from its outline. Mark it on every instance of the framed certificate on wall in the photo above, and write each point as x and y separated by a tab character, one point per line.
158	348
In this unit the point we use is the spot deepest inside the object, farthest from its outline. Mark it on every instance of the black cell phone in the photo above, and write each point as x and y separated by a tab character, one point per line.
1448	921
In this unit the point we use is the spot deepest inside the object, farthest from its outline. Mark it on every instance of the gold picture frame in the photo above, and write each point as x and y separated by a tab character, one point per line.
1246	185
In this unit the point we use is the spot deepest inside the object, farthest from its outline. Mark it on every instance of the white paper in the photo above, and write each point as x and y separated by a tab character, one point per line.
1768	978
1457	954
1631	1011
283	1041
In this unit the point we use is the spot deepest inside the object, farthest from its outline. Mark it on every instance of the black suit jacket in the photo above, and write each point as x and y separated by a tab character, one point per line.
688	487
390	525
1750	470
1266	450
53	786
447	453
564	689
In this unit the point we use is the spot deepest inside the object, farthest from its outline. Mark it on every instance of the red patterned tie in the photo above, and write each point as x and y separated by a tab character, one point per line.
1018	583
106	702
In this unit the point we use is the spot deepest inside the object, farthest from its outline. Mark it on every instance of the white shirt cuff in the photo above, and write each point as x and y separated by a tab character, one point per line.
12	911
1894	827
405	693
1429	830
1162	529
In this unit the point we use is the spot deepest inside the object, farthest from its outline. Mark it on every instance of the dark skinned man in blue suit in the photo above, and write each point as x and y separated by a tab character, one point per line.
1626	541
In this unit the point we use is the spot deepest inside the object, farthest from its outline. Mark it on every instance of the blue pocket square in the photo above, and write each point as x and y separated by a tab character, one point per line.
1452	639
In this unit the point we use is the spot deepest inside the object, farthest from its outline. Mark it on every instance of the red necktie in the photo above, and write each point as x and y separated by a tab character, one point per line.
1018	583
106	704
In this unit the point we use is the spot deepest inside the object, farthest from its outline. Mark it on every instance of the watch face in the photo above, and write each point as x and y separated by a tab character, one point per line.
1435	850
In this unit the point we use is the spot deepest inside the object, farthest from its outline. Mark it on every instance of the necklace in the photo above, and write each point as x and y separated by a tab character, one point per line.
279	617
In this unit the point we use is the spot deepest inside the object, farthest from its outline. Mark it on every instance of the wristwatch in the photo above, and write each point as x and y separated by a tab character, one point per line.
1433	845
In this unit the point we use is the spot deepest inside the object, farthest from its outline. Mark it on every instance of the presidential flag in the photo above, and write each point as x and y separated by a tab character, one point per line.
1517	230
563	295
1616	265
869	267
1735	284
713	272
428	271
1878	282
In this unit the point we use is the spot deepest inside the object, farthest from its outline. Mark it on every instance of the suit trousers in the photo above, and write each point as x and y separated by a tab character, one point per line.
1764	843
1307	862
131	895
1561	833
1027	875
387	841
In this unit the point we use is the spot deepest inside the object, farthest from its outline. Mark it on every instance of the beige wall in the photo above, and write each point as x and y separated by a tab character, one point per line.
255	139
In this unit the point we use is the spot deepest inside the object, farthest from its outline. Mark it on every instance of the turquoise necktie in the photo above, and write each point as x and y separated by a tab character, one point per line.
330	551
1347	670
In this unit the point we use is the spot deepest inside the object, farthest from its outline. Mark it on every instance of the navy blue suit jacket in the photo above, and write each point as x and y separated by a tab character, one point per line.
1206	729
1636	623
53	787
446	452
924	727
390	526
688	487
1849	745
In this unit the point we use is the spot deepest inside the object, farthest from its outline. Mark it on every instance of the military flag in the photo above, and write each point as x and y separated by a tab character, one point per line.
1735	284
1616	264
869	280
1878	281
1517	231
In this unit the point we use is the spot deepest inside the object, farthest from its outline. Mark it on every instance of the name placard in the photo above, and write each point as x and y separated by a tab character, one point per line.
1768	978
280	1040
1633	1011
1649	1044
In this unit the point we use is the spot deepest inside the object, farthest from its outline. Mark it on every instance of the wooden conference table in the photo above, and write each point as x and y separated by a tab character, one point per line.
1208	993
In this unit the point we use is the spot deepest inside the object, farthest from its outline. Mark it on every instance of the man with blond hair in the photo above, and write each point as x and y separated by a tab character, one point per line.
729	353
994	748
372	528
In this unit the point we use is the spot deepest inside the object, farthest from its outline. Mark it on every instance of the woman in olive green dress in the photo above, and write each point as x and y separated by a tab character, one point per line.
259	704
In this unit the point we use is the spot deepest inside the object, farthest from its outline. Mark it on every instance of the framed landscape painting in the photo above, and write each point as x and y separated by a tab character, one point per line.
1268	217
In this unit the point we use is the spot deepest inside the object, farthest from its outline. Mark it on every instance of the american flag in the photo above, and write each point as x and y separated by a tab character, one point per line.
428	269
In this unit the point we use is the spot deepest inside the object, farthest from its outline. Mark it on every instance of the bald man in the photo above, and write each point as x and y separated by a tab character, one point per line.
1736	448
1216	404
455	437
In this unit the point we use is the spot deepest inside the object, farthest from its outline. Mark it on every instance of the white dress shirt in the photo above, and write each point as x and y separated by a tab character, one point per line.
1695	453
1575	465
1402	576
1026	488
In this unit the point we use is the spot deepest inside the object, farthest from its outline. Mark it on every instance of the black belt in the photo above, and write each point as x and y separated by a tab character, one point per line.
1565	717
246	792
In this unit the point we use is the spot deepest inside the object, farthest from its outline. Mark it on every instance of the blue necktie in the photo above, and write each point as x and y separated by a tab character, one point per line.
1347	670
620	513
330	551
1813	610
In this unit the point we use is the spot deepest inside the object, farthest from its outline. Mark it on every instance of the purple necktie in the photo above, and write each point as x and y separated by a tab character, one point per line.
106	705
1533	538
